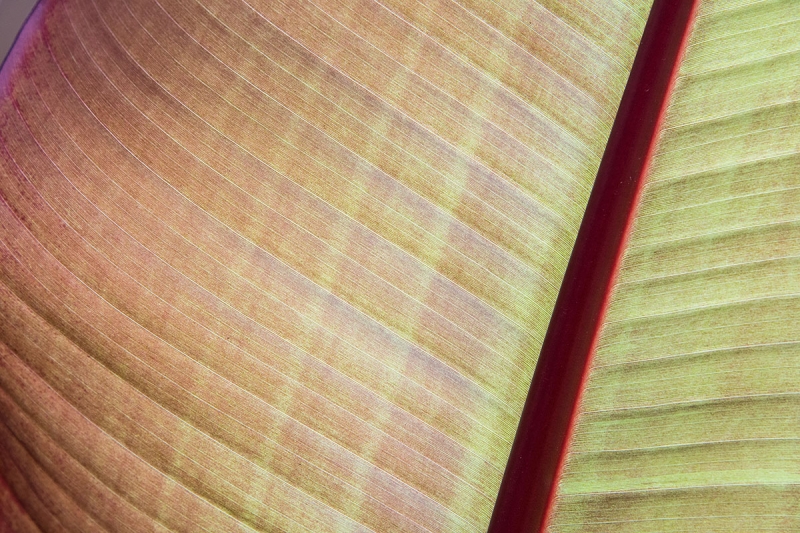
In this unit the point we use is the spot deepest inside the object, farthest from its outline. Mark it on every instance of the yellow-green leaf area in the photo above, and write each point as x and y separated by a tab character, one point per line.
689	418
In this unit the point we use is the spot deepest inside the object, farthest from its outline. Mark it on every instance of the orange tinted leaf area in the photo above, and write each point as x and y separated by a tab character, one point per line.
286	265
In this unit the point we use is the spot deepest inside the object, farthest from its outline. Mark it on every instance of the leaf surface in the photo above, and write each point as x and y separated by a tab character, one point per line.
688	421
287	265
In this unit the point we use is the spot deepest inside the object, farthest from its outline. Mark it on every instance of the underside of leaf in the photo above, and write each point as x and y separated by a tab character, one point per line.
287	265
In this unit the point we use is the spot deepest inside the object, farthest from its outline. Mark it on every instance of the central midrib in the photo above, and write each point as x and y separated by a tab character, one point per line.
534	466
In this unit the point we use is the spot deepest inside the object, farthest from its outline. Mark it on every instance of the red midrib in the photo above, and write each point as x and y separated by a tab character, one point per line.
529	485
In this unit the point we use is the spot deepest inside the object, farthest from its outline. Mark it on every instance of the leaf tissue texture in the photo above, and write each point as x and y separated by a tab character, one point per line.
689	420
287	265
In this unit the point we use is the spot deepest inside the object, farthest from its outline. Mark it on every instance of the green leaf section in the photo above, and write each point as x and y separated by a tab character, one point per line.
689	421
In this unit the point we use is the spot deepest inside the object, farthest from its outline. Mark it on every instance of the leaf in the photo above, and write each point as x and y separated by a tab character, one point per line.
689	418
287	265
